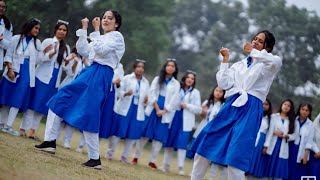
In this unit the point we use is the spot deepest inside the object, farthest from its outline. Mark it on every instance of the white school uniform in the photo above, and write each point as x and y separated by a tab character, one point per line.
212	111
171	94
305	138
16	57
193	101
44	70
5	42
316	140
129	82
271	138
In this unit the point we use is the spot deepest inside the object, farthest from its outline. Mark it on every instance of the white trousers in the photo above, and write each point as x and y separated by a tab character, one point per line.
4	114
139	146
168	156
31	120
201	165
68	132
156	147
127	147
92	141
113	142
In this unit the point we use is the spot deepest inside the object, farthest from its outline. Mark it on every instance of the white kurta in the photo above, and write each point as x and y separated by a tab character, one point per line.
316	139
5	42
263	128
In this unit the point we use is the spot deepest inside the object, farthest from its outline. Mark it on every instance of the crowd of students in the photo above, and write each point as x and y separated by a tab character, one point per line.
85	88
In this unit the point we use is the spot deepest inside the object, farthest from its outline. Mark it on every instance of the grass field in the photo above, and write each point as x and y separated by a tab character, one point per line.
19	160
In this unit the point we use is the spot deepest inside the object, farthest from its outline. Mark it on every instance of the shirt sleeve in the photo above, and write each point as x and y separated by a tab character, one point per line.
225	76
103	46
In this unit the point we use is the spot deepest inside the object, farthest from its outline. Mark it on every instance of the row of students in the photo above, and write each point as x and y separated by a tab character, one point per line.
33	74
284	143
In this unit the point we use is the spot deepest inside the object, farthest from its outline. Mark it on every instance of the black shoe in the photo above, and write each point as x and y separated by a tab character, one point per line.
93	163
47	146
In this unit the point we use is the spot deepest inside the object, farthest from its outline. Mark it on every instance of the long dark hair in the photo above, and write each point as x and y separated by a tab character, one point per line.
269	111
63	45
183	79
303	105
26	28
117	16
269	41
7	23
291	115
211	97
162	74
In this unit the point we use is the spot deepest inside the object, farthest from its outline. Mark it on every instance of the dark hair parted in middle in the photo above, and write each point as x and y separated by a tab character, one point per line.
269	41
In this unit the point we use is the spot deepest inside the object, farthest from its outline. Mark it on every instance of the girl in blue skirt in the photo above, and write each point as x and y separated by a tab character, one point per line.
48	78
163	100
183	122
230	137
314	161
82	102
5	42
281	131
210	108
299	149
129	114
19	76
259	160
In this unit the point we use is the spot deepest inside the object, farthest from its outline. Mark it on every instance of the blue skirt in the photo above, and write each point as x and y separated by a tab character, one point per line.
82	103
259	161
277	167
17	94
177	138
105	130
190	154
314	166
229	139
128	127
42	93
296	170
153	128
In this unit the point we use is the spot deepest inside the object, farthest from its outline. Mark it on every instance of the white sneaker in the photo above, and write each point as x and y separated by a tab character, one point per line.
11	131
67	145
165	168
79	149
181	172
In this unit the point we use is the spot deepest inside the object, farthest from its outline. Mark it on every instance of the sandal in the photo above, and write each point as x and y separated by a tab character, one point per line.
34	138
22	133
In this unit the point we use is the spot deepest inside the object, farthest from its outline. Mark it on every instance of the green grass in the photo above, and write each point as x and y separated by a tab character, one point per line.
19	160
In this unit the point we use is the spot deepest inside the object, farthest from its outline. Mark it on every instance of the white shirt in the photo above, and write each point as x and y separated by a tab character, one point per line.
140	92
106	49
263	128
193	101
304	137
254	80
16	57
271	139
5	42
45	69
211	113
70	74
171	93
316	139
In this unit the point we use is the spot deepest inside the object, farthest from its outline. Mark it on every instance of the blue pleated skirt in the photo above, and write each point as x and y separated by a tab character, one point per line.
229	139
128	127
277	167
153	128
296	170
105	130
82	103
190	154
42	93
177	138
314	166
17	94
259	161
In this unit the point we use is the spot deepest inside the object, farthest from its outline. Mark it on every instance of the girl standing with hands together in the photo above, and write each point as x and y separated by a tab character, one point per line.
183	122
81	103
282	130
162	103
230	137
19	76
